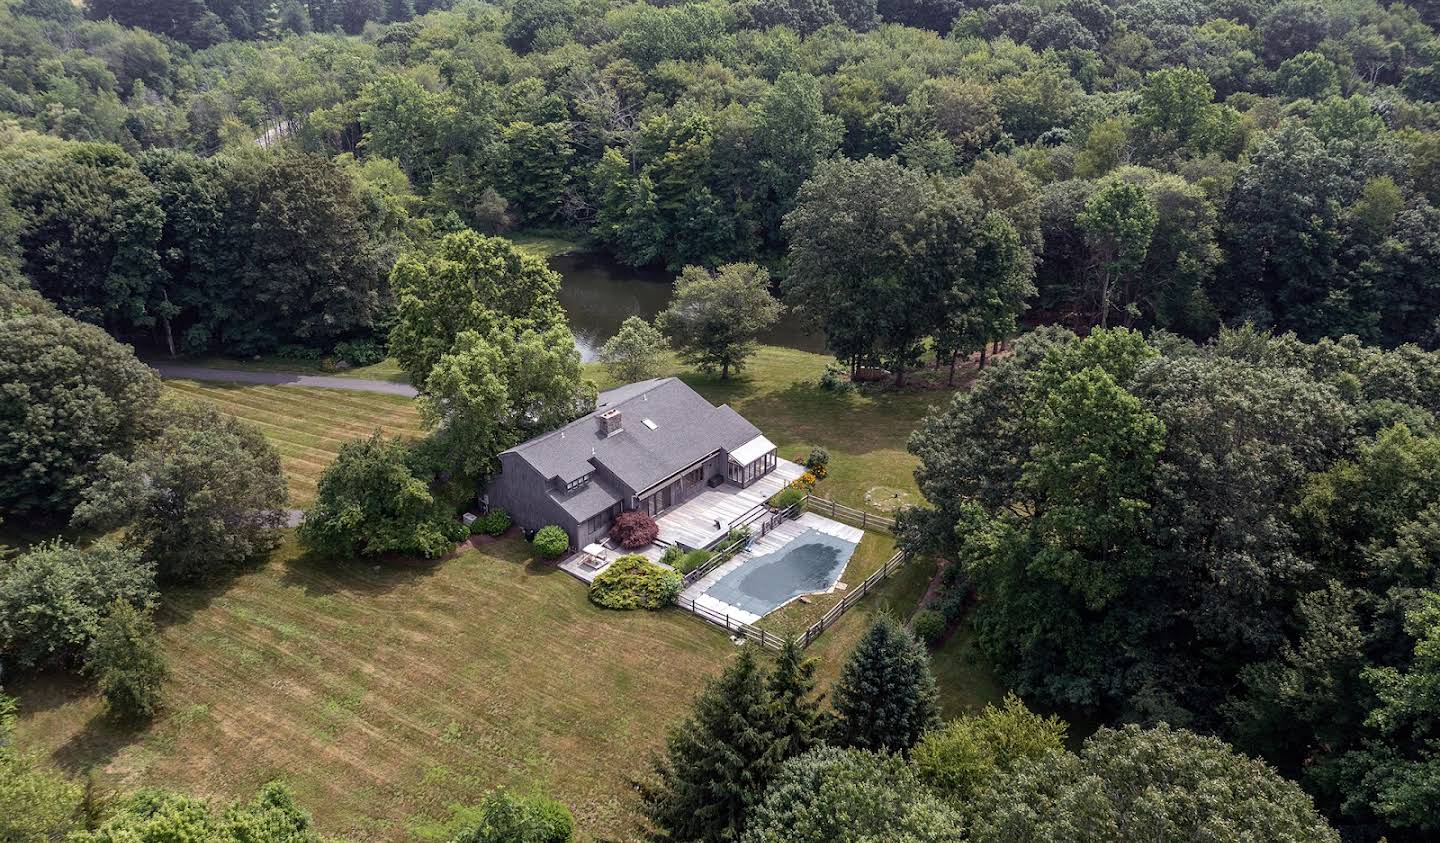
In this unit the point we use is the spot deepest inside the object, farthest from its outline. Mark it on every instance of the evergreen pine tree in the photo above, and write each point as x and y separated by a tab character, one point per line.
886	696
126	661
796	710
718	762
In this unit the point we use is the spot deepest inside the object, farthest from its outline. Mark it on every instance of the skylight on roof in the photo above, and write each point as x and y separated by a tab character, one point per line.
650	424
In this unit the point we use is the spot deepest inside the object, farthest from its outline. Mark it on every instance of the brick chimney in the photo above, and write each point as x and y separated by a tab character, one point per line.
610	423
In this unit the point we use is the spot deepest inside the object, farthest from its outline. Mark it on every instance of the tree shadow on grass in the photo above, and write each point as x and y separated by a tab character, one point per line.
97	743
319	576
841	422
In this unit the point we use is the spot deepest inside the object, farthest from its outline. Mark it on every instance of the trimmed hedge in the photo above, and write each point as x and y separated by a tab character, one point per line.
551	542
634	582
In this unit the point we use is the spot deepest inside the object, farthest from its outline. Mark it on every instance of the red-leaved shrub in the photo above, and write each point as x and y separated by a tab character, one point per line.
634	529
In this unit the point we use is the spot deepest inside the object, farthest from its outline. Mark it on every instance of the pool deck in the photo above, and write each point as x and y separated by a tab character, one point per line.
769	543
692	523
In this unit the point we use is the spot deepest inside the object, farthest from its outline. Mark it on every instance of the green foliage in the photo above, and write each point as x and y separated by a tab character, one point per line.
817	462
469	283
366	352
37	805
718	761
971	753
634	582
493	391
551	542
885	698
636	352
72	395
786	497
797	719
126	661
1135	784
882	256
494	522
833	794
54	596
506	818
158	816
683	560
930	626
370	502
714	317
205	496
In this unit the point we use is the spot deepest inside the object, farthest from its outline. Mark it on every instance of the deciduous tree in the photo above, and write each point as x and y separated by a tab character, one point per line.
204	496
714	317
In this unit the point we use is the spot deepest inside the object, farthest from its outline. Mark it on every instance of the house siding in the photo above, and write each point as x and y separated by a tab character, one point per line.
524	494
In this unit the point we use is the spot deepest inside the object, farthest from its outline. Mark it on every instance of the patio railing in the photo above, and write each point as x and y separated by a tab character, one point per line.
738	627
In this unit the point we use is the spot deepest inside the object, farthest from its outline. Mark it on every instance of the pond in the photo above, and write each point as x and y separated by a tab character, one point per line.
598	293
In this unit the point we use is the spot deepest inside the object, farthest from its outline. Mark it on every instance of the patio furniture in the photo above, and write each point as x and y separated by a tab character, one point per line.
596	556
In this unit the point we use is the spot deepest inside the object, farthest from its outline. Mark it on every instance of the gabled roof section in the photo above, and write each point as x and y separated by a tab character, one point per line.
687	428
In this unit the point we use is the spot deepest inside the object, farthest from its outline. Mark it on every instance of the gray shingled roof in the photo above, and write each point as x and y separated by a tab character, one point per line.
687	429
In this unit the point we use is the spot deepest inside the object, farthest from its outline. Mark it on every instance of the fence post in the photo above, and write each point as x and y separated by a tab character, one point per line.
864	520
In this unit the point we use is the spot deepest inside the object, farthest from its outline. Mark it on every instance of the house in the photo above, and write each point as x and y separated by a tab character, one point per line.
649	446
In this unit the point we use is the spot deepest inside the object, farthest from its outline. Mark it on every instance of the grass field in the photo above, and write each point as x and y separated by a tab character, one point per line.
385	370
386	694
307	425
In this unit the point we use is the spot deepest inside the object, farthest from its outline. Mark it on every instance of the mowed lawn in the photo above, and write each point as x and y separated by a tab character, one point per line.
386	694
307	425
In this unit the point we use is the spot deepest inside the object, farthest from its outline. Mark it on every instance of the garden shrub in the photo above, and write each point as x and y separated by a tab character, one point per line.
693	560
786	498
673	556
930	625
836	379
551	542
817	462
634	529
634	582
492	523
361	352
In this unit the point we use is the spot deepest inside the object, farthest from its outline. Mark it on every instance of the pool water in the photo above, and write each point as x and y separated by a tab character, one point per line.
811	562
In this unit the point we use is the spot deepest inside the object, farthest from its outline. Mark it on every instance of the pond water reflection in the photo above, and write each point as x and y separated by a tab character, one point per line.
599	294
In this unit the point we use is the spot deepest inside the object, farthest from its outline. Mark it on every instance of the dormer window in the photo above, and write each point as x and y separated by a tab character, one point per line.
577	482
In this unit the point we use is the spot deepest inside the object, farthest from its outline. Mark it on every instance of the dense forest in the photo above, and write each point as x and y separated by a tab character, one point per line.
1200	492
1164	165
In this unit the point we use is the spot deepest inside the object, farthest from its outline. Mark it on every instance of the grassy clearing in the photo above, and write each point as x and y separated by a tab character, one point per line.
307	425
384	695
385	370
545	244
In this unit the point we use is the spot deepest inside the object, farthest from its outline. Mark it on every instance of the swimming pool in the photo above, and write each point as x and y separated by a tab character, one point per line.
811	562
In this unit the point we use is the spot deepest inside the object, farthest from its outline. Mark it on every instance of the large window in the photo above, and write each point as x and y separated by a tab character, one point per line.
577	482
747	474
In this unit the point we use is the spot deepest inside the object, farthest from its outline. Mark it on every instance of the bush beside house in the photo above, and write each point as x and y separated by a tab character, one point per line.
633	530
634	582
551	542
492	523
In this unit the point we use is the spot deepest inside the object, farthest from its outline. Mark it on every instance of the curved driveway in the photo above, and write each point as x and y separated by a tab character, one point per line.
201	373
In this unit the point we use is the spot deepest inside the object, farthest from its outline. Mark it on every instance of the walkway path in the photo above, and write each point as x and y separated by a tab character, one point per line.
200	373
